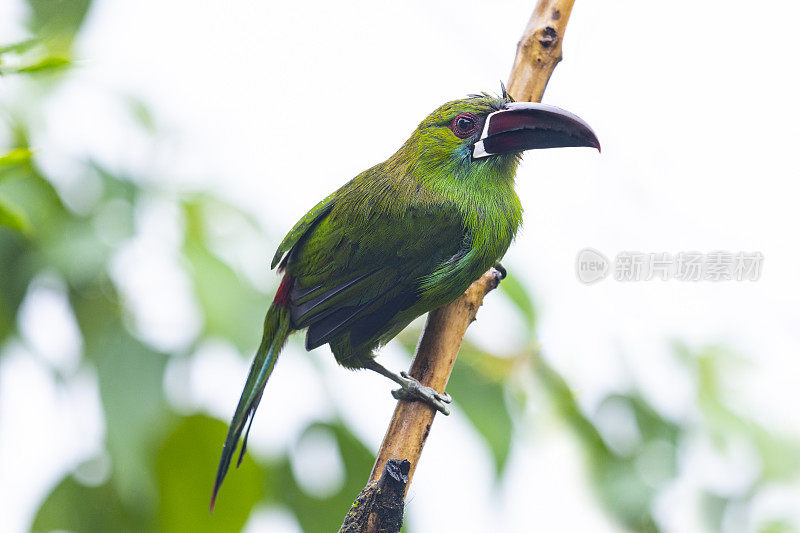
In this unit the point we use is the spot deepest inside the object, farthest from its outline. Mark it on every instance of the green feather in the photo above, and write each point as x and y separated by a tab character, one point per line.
276	330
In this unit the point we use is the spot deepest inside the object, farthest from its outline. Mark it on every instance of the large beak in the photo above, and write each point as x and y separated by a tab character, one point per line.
524	126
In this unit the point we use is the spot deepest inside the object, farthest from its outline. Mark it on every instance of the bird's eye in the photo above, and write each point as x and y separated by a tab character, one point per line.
464	125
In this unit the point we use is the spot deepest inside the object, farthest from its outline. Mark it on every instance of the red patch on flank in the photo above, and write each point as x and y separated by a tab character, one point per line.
282	296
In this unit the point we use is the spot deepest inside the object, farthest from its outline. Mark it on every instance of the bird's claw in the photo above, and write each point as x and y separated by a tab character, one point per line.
501	270
414	390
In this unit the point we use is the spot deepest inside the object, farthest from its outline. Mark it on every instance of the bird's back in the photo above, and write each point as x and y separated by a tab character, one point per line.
357	272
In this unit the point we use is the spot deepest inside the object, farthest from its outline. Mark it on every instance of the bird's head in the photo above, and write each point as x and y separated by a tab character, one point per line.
492	131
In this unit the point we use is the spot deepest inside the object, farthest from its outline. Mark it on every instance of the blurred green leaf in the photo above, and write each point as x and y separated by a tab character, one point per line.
131	380
19	47
75	251
622	492
713	509
17	272
651	426
780	455
15	157
45	64
482	400
131	377
187	462
64	241
141	112
114	186
57	22
13	217
566	406
28	57
627	483
232	308
519	296
36	197
72	506
617	482
777	527
323	515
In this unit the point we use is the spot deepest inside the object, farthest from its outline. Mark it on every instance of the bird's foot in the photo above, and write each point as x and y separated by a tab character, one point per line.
500	269
411	389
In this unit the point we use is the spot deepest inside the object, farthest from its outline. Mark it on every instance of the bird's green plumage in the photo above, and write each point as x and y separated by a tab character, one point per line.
428	220
402	238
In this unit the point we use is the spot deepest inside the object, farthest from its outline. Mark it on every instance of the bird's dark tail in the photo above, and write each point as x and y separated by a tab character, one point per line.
276	330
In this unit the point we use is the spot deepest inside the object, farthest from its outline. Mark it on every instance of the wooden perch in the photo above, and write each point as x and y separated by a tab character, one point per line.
539	50
538	53
379	507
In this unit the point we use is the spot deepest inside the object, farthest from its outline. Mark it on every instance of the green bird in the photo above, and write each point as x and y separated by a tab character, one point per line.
402	238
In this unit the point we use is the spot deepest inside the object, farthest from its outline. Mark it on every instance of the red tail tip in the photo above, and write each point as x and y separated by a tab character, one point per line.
213	499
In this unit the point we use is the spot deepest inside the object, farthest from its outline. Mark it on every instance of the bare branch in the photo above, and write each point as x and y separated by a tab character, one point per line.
539	50
379	507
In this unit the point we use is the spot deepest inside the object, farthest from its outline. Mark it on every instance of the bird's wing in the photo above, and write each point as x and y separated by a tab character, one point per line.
303	226
356	273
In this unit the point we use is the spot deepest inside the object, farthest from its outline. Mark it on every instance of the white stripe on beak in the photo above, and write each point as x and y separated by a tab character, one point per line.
478	149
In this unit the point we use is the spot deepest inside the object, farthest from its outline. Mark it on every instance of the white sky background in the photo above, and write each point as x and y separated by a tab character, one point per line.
278	104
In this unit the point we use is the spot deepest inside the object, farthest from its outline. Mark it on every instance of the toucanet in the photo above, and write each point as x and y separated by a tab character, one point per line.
402	238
